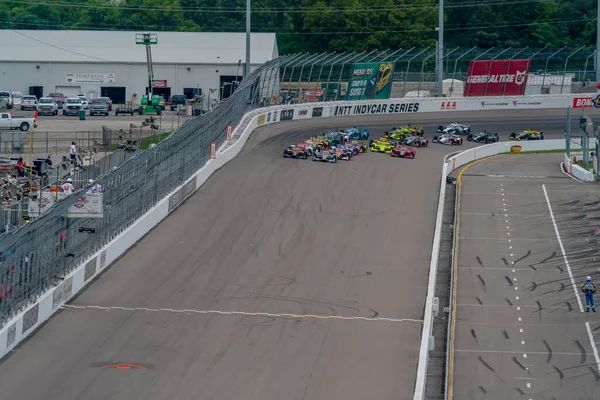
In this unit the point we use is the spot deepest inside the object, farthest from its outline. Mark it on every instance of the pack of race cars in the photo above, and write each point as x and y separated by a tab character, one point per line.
344	144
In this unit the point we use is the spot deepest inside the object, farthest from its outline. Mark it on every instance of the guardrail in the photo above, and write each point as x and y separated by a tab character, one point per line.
450	165
56	268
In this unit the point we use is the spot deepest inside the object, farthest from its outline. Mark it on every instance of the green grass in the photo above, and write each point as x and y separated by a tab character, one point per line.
145	142
538	152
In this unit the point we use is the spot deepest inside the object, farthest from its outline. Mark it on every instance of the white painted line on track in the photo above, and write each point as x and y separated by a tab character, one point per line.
245	314
534	353
562	249
593	342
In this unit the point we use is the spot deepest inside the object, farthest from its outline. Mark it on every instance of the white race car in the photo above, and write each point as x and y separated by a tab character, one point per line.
454	129
450	140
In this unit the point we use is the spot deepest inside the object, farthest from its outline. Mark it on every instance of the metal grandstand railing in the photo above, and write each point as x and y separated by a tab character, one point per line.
39	254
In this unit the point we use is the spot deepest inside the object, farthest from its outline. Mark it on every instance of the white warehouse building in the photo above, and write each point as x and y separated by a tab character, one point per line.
111	64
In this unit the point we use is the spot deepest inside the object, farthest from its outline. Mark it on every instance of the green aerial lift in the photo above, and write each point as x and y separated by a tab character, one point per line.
150	103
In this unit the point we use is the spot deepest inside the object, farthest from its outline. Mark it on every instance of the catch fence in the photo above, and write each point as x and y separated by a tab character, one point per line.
41	253
325	77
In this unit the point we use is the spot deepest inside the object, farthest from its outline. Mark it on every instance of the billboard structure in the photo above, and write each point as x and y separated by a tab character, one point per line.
497	78
370	81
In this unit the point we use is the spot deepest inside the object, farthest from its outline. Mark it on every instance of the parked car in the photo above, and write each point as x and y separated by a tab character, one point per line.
108	101
6	96
7	121
85	101
72	106
98	106
59	98
29	103
47	106
17	98
178	100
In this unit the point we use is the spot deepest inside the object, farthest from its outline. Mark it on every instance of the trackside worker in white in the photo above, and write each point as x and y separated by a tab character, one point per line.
73	152
67	187
96	188
589	289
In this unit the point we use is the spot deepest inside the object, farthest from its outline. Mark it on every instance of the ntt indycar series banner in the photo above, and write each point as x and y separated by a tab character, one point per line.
496	78
369	109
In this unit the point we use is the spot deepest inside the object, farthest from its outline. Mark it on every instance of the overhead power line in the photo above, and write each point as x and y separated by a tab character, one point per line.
340	32
319	10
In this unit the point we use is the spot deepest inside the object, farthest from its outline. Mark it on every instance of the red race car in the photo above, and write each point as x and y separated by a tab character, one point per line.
404	152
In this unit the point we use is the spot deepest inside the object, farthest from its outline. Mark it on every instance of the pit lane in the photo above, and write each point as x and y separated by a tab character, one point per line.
521	332
316	247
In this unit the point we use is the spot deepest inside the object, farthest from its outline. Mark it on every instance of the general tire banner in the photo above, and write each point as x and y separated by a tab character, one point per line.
370	81
496	78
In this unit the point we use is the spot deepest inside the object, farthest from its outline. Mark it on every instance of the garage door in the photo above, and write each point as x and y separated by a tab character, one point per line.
69	91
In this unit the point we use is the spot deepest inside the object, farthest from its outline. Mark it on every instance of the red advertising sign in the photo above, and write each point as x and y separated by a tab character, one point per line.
312	95
582	102
496	78
159	83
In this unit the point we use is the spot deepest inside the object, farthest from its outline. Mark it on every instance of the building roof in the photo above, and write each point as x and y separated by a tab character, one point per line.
120	46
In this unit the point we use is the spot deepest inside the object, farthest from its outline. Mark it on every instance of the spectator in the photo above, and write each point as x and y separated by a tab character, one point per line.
46	163
96	188
21	167
73	153
68	188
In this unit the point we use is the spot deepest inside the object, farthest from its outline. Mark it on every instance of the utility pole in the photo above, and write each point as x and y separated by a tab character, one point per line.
568	134
247	66
440	54
587	126
596	58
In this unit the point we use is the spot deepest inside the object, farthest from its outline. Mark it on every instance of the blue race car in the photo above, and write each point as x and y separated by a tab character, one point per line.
357	133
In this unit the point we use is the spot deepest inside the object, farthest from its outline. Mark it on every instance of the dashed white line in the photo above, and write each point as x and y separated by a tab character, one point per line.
245	314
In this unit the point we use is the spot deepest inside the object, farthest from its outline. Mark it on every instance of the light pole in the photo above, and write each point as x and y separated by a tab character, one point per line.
440	55
596	57
247	66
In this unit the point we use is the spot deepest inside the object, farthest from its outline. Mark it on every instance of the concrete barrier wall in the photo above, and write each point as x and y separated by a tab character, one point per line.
22	325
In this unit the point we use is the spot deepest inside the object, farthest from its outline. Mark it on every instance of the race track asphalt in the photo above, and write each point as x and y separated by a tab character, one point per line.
264	235
521	329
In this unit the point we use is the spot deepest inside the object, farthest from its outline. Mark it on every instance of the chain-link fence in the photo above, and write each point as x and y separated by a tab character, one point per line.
41	253
324	77
36	255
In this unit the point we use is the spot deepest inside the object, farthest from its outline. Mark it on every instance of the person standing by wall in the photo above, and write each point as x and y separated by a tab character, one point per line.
21	167
68	188
589	289
73	153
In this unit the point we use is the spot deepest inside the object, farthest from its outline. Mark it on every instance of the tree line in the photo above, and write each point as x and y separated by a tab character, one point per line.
329	25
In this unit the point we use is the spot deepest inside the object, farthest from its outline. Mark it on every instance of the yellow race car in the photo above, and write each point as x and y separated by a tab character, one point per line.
527	134
381	146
